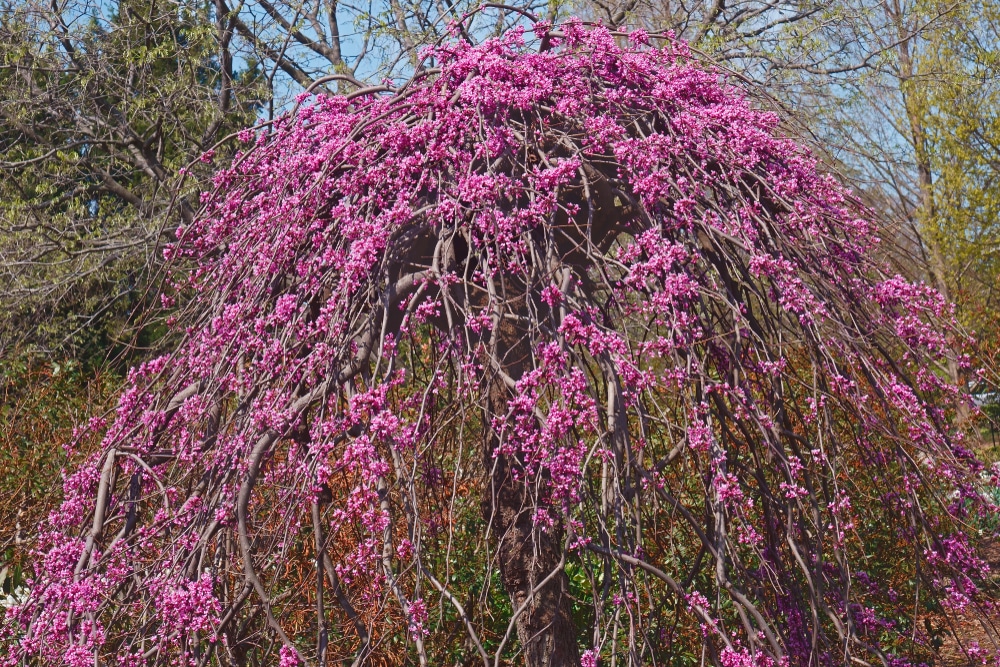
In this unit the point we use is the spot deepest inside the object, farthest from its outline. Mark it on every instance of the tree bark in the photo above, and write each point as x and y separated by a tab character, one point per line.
530	557
927	212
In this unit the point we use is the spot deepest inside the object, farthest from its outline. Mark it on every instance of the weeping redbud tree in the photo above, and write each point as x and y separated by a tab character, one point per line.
557	356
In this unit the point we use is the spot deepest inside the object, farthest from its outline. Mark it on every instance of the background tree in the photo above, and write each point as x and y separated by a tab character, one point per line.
566	353
963	140
102	105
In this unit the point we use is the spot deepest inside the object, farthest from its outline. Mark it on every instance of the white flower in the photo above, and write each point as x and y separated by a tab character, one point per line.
18	596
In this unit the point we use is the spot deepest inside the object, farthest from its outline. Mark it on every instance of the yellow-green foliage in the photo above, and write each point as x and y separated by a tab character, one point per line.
962	110
102	105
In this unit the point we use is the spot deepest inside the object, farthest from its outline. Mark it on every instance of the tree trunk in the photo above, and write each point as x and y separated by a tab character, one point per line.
530	558
528	555
927	213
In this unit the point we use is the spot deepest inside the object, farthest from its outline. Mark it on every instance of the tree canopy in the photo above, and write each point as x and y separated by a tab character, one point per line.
559	356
